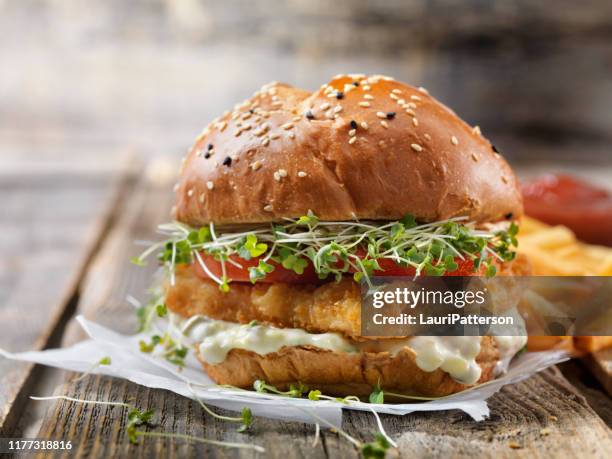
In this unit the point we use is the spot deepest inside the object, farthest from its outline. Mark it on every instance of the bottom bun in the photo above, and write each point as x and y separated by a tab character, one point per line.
342	374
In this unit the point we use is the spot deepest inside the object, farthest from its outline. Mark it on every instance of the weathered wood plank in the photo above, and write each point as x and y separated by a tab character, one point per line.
542	416
50	229
600	363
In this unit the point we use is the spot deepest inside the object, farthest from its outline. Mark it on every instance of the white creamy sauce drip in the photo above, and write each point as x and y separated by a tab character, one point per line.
455	355
216	338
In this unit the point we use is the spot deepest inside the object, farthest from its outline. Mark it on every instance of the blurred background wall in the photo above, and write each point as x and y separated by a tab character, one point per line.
80	79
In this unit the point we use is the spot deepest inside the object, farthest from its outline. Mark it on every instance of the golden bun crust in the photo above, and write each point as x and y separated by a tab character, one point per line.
342	374
286	151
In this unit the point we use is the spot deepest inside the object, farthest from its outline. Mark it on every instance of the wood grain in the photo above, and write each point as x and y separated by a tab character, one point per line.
50	227
600	363
544	416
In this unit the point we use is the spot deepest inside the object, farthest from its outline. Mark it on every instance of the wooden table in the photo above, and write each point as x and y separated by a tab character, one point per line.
67	235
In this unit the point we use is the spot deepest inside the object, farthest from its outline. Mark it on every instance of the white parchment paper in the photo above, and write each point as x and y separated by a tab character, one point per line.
147	370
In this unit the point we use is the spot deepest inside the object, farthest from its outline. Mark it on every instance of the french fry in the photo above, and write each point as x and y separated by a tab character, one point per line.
555	251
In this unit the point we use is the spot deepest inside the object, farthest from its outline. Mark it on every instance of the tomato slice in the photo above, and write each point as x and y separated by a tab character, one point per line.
309	276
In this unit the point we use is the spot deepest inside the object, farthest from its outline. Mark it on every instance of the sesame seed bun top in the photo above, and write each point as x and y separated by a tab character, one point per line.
358	148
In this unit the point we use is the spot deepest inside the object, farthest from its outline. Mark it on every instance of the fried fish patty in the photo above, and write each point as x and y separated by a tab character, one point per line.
330	307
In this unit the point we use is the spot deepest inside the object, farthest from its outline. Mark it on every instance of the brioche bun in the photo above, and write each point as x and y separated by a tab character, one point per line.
342	374
357	148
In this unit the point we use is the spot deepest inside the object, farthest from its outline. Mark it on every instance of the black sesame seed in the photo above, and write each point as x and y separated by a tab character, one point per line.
209	146
309	115
494	149
390	115
353	124
339	95
206	155
509	216
227	161
355	83
251	111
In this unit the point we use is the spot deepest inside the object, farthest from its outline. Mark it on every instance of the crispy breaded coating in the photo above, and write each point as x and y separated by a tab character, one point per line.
330	307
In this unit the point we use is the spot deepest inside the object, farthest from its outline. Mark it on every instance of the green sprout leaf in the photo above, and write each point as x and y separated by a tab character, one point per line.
247	419
161	310
377	395
104	361
376	449
251	248
259	272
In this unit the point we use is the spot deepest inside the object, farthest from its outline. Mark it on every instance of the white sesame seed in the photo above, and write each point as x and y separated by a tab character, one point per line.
302	174
416	147
364	104
423	90
410	112
411	105
475	157
325	106
427	137
476	130
237	133
381	115
415	121
352	132
276	176
256	165
365	87
268	208
221	126
201	198
364	125
454	140
401	101
384	124
282	172
504	179
368	96
348	88
287	126
265	141
337	108
297	118
352	140
190	192
291	135
393	96
396	91
382	144
274	136
415	97
210	185
175	187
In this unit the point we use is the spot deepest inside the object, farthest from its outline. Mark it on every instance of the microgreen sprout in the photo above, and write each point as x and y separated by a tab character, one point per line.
172	351
137	418
104	361
245	418
334	248
377	395
372	450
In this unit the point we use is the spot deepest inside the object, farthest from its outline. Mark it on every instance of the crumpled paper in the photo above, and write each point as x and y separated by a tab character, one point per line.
154	372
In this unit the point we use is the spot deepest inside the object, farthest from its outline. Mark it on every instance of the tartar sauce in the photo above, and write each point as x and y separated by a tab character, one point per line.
455	355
